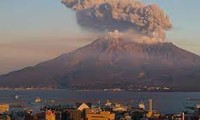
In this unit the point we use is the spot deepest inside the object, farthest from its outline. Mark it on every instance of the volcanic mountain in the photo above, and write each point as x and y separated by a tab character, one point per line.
111	63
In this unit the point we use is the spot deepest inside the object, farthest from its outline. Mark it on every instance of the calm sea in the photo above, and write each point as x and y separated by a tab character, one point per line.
166	102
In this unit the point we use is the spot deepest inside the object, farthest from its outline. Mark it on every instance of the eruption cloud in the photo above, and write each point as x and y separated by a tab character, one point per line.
148	21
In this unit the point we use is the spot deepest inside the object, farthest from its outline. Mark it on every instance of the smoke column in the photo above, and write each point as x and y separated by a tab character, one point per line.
149	21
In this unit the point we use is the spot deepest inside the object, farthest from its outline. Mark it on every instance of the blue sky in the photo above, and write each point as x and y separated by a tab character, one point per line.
35	18
34	22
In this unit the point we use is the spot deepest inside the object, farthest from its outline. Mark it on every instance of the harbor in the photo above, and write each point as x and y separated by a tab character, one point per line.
100	111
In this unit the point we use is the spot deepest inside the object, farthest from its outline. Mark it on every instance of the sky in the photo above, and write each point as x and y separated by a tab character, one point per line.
32	31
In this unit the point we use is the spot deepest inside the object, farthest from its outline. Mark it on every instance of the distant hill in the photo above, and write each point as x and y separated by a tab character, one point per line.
113	63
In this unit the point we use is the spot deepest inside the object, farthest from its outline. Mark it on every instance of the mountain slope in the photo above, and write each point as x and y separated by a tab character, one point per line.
109	62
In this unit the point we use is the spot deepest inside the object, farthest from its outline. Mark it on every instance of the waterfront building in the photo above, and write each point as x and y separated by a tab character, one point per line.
119	108
39	116
108	103
104	115
141	106
83	106
72	115
150	105
4	108
4	117
28	116
50	115
126	117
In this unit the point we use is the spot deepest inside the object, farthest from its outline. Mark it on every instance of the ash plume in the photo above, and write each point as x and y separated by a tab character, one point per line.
133	36
149	21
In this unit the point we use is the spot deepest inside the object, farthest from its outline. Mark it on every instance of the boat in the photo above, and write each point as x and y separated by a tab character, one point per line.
38	100
16	97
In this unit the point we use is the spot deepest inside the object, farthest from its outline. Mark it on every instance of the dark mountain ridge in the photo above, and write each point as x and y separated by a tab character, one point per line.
110	63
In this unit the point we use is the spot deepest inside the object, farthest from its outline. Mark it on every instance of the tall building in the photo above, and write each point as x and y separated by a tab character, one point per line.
150	105
150	112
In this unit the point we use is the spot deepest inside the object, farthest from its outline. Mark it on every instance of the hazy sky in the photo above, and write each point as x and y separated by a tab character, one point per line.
32	31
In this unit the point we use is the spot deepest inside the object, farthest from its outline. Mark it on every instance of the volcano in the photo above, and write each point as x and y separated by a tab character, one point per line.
113	63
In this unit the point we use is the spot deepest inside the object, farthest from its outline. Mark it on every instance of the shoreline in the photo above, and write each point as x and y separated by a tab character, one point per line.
96	90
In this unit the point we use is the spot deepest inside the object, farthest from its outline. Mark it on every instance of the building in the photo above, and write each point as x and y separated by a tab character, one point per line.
104	115
4	108
150	105
73	115
119	108
4	117
50	115
39	116
83	106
